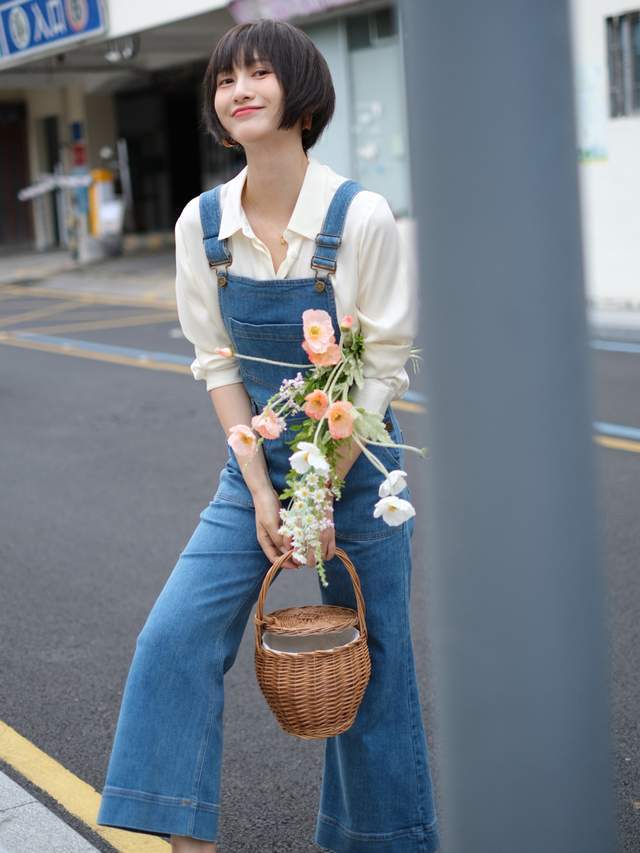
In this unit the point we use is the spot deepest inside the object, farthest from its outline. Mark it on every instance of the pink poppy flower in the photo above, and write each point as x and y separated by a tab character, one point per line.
346	322
242	440
316	405
331	355
267	424
341	416
318	329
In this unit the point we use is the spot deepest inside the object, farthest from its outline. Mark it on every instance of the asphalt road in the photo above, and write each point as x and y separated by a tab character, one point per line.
105	469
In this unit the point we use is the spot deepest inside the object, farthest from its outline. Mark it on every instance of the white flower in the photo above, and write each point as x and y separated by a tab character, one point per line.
394	483
393	510
308	455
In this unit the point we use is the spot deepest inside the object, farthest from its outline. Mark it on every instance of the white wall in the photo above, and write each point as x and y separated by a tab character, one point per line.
334	146
124	17
610	187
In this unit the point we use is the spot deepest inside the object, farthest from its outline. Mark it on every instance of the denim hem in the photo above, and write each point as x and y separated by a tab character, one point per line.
412	839
158	814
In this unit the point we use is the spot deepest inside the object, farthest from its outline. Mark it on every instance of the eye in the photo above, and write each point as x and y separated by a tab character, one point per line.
224	80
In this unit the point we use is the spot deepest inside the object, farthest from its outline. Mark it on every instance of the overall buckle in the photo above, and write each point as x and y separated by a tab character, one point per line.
222	274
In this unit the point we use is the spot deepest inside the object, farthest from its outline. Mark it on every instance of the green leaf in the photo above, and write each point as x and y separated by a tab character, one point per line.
369	425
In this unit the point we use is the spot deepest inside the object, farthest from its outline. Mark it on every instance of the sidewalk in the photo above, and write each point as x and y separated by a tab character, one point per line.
142	273
27	825
621	323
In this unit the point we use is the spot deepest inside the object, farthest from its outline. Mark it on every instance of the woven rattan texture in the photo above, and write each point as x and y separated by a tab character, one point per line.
310	619
313	694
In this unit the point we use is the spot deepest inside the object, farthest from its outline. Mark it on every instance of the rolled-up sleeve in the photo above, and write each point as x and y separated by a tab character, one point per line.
199	313
386	308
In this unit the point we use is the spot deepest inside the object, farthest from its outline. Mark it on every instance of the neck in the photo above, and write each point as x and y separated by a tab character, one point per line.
274	177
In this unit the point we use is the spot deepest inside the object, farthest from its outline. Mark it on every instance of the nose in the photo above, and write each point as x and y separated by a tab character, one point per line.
242	89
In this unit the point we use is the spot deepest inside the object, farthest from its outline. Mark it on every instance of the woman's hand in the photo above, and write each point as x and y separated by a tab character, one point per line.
327	542
267	505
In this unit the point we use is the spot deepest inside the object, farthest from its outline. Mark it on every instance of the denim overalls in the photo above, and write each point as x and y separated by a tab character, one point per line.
164	772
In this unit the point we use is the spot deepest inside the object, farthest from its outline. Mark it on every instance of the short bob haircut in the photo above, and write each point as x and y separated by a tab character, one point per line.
299	66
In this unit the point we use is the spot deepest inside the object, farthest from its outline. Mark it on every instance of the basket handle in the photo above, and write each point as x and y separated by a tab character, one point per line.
355	580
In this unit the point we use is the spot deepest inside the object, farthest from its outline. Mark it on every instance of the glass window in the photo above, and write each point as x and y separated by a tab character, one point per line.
358	35
623	61
635	59
385	24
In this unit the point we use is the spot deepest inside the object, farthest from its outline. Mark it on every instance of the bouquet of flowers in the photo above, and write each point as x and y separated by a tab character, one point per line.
331	422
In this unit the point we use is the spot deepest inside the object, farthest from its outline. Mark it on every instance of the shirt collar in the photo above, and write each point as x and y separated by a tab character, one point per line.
308	213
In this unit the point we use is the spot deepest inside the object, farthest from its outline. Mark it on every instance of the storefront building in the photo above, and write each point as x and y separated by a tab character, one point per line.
86	91
139	81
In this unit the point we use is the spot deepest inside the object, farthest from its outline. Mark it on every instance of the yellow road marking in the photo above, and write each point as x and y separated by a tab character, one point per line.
12	319
407	406
618	443
149	298
401	405
68	349
74	795
85	325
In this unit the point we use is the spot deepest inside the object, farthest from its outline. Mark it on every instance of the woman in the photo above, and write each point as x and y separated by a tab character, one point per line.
251	256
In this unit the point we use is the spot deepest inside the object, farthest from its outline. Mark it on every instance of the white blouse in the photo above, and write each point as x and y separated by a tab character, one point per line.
373	282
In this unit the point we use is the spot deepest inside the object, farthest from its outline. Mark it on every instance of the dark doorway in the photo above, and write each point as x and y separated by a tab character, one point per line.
184	148
161	128
52	162
16	229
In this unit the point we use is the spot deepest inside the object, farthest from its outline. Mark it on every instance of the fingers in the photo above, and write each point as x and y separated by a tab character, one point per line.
327	546
287	545
331	545
272	542
272	548
274	545
271	552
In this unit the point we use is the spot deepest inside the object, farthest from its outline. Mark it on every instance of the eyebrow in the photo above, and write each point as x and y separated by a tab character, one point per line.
262	60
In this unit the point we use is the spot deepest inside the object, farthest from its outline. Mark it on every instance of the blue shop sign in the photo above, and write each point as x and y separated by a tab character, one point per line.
29	28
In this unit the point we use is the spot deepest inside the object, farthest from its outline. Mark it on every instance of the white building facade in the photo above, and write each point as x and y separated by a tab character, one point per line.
606	39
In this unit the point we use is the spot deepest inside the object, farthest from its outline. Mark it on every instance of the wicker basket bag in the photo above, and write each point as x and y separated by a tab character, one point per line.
315	693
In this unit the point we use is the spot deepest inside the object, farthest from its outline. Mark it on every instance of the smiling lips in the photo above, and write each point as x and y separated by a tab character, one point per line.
246	111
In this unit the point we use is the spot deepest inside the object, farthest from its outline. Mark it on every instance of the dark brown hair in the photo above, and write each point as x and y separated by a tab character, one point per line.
299	66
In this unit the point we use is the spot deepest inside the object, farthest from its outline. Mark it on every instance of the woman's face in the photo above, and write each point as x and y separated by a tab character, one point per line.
248	101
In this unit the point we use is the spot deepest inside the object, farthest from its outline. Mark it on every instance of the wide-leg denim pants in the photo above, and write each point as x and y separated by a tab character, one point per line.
164	772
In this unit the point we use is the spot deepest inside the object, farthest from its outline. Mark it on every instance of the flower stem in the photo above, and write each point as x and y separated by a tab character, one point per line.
332	383
420	450
373	459
335	371
271	360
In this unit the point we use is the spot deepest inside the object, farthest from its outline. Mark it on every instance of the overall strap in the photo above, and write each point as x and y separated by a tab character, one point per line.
216	250
328	240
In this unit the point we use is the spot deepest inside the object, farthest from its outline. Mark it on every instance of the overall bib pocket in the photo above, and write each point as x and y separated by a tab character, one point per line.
277	341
